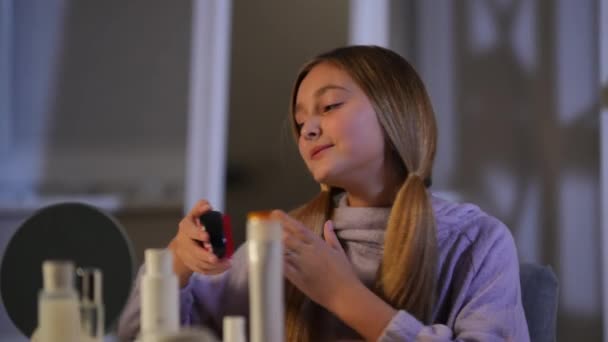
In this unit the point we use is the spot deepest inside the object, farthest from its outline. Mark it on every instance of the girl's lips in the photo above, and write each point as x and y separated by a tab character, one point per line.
318	149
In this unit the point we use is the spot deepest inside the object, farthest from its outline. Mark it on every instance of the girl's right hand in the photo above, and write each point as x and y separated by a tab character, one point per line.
191	248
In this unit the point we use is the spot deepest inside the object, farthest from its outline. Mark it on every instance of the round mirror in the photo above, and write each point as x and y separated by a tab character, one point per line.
70	231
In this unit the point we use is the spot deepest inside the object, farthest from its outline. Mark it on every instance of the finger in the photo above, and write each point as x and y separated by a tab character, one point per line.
199	209
292	244
292	226
208	246
289	223
213	268
330	236
207	263
193	231
206	257
292	258
194	250
290	272
190	261
192	228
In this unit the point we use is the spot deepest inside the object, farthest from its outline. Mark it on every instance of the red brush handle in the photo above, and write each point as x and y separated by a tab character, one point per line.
228	235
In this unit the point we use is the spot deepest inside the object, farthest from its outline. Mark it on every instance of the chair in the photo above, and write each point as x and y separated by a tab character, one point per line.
539	292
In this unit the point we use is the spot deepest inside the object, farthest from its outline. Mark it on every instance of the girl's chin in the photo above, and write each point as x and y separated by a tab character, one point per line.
320	179
324	180
324	176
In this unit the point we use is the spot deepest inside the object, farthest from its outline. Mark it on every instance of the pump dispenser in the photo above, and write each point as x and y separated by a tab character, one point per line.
91	303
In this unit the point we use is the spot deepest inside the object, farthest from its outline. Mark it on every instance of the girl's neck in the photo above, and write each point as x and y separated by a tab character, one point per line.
380	199
380	194
375	188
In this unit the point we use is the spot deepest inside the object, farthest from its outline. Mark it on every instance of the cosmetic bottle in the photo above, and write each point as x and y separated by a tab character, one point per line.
91	303
58	306
159	295
265	253
234	329
190	334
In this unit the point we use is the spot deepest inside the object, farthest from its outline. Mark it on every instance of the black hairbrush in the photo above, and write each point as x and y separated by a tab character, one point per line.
214	223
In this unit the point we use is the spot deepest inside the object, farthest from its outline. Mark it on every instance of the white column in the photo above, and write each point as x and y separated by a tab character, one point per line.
369	22
6	73
603	69
206	140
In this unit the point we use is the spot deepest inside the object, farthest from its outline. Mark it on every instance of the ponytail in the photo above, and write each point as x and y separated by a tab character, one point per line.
407	274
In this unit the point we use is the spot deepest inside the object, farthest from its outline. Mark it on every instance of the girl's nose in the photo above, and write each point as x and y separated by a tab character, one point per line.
311	132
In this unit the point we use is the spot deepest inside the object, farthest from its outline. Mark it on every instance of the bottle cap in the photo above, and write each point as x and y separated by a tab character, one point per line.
158	261
262	227
57	275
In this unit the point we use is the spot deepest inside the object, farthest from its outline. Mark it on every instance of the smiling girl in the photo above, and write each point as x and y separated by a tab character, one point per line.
375	255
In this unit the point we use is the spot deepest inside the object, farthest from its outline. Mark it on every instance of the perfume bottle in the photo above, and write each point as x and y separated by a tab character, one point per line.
234	329
58	307
159	295
266	308
91	303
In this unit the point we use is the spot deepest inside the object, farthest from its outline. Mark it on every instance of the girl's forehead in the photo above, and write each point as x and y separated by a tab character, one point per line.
325	72
324	78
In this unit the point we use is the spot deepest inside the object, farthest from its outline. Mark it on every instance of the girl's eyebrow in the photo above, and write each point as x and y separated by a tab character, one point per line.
319	92
324	89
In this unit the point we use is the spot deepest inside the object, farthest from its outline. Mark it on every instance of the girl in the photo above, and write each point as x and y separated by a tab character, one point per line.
374	256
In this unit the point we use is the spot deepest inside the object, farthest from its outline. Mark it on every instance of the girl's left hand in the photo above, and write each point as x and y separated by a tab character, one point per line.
319	268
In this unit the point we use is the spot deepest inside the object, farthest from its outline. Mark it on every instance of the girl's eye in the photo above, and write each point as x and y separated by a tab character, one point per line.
331	106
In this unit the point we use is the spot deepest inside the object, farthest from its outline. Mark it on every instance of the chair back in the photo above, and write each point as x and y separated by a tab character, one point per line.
539	292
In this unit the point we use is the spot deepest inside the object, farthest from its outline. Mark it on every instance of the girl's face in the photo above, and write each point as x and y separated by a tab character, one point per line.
341	140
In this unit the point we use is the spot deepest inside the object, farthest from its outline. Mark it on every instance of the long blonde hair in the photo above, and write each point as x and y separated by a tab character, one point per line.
406	278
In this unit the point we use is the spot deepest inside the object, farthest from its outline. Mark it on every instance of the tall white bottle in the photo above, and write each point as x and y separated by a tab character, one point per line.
159	295
234	329
58	305
266	308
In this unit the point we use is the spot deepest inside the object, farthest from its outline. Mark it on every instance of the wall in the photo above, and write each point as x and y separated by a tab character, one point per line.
271	40
99	94
514	84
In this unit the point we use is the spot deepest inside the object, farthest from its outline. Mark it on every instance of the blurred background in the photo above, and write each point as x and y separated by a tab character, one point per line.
141	106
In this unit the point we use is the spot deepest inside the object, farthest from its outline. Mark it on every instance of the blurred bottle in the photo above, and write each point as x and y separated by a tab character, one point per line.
234	329
159	295
190	334
266	310
58	307
91	303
